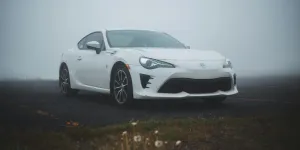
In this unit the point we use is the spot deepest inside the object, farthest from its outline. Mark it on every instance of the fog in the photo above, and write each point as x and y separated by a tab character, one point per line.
260	37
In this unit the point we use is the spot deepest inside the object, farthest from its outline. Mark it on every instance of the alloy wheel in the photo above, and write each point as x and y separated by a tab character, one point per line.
121	87
64	81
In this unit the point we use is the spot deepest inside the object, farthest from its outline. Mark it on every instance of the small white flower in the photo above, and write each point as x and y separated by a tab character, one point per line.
124	133
137	138
158	143
133	123
166	142
147	139
156	132
178	143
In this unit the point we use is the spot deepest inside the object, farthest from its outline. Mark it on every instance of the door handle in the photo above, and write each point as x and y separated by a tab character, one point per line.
79	58
111	52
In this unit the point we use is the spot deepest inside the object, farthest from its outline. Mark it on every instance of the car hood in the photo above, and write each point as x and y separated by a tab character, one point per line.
179	54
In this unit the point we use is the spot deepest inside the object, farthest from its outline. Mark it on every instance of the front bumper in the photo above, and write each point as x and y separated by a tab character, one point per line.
151	84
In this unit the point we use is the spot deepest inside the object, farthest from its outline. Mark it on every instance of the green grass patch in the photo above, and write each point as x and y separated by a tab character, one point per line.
214	133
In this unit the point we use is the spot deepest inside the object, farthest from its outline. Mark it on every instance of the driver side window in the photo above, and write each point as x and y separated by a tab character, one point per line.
95	36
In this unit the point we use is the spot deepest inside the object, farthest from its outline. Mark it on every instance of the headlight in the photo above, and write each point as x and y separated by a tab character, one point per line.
149	63
227	64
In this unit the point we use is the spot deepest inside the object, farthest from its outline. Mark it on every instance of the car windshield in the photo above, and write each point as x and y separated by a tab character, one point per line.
141	38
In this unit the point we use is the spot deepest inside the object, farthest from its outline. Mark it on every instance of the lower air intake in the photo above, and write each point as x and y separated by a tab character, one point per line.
196	86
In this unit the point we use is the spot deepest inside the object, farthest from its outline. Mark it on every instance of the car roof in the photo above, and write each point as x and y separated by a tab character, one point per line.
139	29
115	29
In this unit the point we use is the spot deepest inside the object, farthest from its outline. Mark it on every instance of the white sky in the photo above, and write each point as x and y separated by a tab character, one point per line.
259	36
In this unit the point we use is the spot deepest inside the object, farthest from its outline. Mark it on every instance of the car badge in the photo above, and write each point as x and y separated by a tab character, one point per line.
202	65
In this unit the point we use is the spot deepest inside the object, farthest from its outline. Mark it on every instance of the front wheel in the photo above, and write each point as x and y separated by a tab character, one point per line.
64	82
121	86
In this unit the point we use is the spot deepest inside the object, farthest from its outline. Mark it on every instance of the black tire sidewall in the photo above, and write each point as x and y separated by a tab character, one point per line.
70	91
129	91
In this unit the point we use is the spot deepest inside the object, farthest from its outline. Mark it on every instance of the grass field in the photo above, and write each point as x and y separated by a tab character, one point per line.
247	133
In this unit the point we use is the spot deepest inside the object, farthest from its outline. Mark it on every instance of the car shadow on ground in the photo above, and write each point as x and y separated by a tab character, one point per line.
167	105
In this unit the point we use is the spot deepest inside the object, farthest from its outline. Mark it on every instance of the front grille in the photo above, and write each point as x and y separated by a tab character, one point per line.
196	86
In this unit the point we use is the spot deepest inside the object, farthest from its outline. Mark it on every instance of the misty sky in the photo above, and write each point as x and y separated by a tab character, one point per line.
259	36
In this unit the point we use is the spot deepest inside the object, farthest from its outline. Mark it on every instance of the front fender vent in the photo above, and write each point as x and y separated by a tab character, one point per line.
145	80
234	79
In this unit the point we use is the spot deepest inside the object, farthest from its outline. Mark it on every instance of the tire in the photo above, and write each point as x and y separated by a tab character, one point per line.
64	82
215	100
121	86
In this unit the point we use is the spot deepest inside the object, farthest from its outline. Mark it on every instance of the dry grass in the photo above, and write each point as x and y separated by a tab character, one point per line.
207	134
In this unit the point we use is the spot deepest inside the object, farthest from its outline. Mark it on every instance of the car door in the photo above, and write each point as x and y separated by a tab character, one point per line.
92	67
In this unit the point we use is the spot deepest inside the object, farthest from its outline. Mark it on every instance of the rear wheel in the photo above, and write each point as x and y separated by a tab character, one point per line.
121	86
215	100
64	82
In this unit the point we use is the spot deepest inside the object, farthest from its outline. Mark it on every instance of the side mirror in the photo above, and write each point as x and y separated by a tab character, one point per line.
188	47
94	45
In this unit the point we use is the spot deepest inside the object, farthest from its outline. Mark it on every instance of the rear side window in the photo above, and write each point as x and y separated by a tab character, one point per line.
95	36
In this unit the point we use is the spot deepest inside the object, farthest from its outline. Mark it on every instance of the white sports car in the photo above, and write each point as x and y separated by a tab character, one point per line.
144	64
